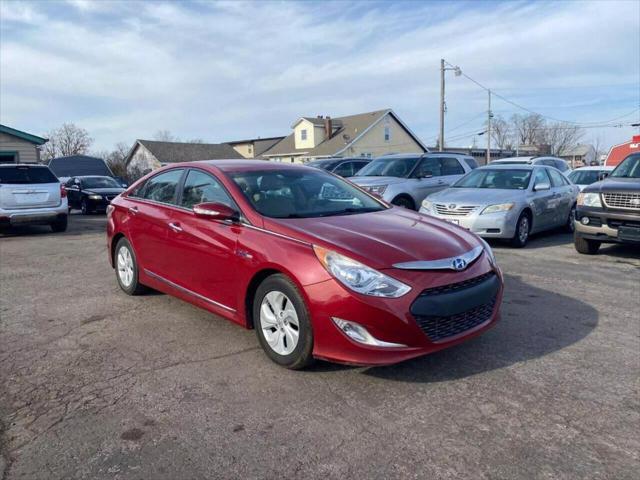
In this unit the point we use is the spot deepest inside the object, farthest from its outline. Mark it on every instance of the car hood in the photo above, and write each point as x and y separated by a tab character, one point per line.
380	239
105	191
615	185
475	196
371	181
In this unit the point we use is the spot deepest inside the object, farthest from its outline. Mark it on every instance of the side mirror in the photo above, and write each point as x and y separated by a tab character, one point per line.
426	174
216	211
603	175
541	186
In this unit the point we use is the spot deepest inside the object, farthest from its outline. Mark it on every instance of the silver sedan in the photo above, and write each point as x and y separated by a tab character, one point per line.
507	201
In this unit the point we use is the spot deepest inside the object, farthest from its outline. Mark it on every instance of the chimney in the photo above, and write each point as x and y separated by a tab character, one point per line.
328	127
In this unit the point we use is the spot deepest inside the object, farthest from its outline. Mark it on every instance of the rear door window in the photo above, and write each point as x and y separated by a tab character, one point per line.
473	164
24	174
162	188
428	167
560	165
451	166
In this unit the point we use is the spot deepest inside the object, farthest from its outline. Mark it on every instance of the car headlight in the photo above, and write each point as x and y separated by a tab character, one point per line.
426	204
500	207
589	199
358	277
377	189
95	197
488	250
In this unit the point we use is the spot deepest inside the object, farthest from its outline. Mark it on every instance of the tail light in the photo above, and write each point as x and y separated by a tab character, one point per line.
63	191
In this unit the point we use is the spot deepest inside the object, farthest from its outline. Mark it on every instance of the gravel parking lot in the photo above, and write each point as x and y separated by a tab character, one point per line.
96	384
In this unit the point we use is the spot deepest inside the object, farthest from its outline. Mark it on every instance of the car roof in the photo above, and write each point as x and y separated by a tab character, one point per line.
90	176
595	167
511	166
32	165
401	155
514	159
242	165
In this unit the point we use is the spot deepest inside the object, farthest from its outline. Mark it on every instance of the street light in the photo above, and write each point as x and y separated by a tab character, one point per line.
457	72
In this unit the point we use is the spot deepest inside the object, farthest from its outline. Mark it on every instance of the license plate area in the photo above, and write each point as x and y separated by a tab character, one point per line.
631	234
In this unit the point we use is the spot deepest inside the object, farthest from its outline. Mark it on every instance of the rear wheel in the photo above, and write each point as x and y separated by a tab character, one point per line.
60	225
583	245
403	201
523	227
127	268
283	323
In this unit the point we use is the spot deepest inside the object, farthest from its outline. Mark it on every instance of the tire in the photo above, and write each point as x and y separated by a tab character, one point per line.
60	225
277	307
585	246
405	202
523	227
570	226
127	277
84	207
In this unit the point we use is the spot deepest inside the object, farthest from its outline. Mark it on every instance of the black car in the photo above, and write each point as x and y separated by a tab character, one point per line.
609	211
345	167
92	193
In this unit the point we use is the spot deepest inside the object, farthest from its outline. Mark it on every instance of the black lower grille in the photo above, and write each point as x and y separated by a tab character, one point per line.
623	223
437	310
439	328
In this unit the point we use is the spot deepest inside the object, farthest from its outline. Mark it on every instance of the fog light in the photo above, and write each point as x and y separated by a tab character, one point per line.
585	220
358	333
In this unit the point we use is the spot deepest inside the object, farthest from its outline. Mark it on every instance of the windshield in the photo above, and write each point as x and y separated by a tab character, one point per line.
629	168
294	193
389	167
494	178
24	174
585	177
99	182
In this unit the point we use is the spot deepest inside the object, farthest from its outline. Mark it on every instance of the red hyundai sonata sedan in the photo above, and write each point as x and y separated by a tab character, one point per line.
320	268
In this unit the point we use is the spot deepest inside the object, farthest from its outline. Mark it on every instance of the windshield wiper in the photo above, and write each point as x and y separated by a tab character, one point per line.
349	211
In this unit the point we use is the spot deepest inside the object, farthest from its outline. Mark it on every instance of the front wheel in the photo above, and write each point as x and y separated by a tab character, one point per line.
523	227
404	202
127	269
570	226
283	323
84	207
585	246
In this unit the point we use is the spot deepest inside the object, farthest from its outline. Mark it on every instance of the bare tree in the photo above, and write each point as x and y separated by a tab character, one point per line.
66	140
195	140
501	133
165	136
559	136
117	159
527	127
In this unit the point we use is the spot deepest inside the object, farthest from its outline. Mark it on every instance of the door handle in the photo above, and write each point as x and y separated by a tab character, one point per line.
175	227
133	210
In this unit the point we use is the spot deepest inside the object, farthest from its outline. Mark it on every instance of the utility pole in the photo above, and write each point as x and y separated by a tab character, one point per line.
489	115
441	141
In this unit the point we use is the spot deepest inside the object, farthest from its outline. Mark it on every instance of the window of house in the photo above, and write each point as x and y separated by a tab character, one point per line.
303	134
387	133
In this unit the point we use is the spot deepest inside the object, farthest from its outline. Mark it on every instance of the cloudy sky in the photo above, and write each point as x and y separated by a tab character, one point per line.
227	71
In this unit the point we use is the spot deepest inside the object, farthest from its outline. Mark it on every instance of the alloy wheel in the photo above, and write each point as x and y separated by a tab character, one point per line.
279	322
523	231
125	266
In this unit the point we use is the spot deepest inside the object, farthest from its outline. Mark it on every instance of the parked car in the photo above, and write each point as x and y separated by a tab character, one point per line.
31	195
318	267
609	211
555	162
92	193
406	179
584	176
345	167
507	201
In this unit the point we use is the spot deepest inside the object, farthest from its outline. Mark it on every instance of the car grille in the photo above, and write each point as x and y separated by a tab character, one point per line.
457	210
630	201
439	328
622	223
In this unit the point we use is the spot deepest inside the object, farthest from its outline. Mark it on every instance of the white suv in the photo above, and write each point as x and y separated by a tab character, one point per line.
32	195
406	179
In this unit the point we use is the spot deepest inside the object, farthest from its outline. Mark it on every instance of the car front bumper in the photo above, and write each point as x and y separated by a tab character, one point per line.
33	216
492	225
607	226
391	320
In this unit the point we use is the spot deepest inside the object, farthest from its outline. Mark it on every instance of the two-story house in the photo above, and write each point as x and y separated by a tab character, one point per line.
366	134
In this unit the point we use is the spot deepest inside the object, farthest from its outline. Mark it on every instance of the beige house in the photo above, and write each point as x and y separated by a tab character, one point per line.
254	147
580	155
147	155
17	146
363	135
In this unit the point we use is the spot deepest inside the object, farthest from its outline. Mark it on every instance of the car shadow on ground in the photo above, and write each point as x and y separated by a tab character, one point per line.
78	225
532	326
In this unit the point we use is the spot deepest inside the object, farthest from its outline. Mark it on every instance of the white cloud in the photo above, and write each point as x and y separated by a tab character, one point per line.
223	71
